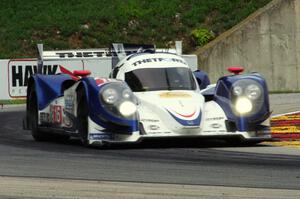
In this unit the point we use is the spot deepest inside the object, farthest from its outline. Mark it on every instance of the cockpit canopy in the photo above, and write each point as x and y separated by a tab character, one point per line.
154	79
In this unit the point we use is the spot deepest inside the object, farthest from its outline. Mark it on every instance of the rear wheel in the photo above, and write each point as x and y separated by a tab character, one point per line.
37	134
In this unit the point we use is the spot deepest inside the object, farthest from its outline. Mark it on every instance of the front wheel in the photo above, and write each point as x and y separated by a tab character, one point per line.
82	115
242	142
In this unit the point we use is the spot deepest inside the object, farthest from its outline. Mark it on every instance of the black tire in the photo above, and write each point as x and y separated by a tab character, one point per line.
60	138
36	133
82	115
242	142
251	142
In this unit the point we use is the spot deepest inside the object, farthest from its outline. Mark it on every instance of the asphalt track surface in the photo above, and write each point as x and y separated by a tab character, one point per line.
200	162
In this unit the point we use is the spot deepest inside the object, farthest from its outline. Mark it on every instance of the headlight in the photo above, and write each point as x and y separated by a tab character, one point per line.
253	92
243	105
117	99
110	95
127	108
237	90
247	97
126	93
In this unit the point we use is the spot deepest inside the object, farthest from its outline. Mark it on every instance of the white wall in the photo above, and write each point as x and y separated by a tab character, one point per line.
14	73
4	79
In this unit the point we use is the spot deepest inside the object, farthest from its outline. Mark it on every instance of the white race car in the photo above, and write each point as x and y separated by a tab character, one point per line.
149	94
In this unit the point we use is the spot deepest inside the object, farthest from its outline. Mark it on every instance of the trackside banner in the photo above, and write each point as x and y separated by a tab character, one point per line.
4	79
19	72
15	73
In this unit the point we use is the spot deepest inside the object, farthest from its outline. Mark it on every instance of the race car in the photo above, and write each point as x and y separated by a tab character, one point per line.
150	93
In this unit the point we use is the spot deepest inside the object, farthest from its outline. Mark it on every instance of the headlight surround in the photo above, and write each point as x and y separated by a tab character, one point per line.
237	90
253	91
246	97
126	94
118	99
110	96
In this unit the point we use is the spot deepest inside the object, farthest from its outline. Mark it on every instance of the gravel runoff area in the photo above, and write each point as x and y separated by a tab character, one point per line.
285	103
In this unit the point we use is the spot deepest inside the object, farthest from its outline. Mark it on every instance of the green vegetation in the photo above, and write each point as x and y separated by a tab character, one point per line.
202	36
14	101
96	23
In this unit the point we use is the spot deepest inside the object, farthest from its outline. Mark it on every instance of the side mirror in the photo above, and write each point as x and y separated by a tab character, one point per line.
202	79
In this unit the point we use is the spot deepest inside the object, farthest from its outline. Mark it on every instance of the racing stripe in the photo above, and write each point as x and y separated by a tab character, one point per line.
194	122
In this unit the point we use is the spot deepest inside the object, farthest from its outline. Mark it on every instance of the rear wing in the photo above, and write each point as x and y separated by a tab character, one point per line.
114	54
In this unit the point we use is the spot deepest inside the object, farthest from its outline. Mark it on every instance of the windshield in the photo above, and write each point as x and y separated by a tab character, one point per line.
152	79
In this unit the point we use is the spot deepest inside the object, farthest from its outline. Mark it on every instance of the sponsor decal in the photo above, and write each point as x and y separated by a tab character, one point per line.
20	72
208	131
85	54
97	136
56	113
45	117
55	116
215	131
153	127
215	126
158	132
190	122
174	95
68	111
214	118
149	120
69	103
151	60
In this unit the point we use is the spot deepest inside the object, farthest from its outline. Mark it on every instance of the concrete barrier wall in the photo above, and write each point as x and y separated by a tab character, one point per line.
268	42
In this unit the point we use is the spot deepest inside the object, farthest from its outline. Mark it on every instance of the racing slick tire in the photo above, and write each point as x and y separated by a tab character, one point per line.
242	142
82	124
82	115
36	133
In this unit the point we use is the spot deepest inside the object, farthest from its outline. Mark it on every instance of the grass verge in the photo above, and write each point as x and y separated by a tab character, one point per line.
14	101
93	23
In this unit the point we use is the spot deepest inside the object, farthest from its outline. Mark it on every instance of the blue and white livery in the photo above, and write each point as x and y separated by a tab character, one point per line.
149	94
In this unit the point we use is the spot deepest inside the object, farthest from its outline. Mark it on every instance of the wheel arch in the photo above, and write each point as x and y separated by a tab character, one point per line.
26	120
83	90
30	86
82	112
